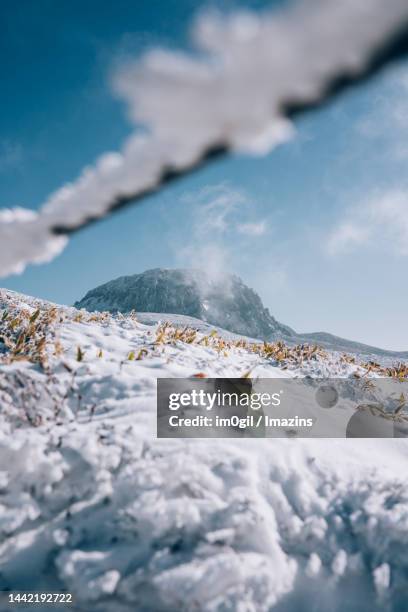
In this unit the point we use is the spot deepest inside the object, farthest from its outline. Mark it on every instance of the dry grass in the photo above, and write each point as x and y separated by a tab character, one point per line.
29	335
32	335
276	351
279	352
398	371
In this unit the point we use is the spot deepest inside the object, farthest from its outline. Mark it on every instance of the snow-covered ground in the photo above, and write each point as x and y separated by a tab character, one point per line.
91	501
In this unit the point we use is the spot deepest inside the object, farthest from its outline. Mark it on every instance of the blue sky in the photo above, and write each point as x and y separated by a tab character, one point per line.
319	227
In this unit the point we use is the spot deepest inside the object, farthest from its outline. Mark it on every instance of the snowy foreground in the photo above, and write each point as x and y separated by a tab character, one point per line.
92	502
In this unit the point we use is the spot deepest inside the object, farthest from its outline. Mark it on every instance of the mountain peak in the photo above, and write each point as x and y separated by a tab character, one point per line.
224	300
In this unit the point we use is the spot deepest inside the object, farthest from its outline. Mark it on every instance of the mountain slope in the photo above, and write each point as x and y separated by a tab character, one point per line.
93	503
227	303
332	342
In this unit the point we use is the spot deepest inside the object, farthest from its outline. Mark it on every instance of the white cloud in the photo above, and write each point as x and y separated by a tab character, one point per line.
225	235
258	228
223	222
217	207
386	123
220	214
221	209
380	221
347	236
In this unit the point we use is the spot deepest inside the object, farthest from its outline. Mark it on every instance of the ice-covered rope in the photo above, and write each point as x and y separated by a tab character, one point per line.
251	74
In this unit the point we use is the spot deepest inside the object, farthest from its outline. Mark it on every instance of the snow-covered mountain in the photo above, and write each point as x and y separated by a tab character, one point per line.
93	503
225	302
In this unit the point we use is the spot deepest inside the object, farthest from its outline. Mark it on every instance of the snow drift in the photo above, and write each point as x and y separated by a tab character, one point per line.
92	502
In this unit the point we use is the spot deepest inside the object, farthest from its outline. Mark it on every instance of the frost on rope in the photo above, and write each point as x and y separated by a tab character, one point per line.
91	502
251	73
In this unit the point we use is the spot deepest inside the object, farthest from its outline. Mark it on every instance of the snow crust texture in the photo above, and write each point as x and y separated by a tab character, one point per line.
92	502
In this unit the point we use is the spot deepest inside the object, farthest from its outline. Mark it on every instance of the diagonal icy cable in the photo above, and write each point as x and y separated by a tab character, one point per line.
251	75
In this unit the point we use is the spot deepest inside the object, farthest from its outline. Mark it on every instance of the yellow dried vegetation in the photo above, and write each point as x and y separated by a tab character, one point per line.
28	335
278	351
398	371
